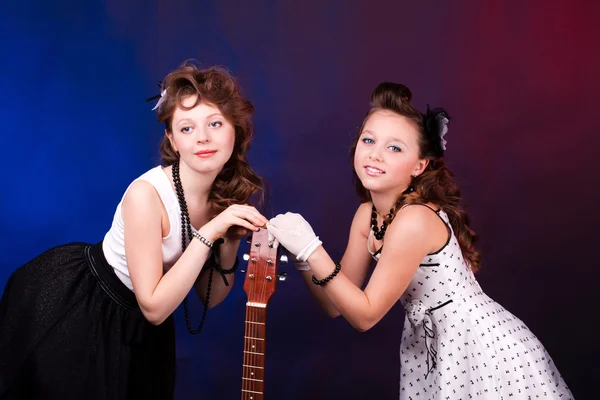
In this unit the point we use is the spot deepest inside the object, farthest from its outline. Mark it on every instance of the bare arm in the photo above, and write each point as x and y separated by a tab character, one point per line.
158	293
415	233
219	291
355	262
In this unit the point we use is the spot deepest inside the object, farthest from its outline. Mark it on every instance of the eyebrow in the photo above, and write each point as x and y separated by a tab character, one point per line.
183	120
190	120
395	139
399	140
215	115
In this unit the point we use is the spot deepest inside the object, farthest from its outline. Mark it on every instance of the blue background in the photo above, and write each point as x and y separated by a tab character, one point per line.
522	86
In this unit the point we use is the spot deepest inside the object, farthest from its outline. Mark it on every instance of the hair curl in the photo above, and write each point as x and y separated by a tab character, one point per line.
237	183
436	183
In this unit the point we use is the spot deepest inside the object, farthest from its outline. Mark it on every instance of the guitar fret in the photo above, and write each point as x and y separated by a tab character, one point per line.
255	338
251	391
252	352
255	380
252	366
252	322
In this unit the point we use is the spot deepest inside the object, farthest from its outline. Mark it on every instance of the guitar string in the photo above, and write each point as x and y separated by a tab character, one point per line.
253	333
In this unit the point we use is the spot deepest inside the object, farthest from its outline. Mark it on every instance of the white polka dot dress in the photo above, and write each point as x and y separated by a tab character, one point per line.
459	344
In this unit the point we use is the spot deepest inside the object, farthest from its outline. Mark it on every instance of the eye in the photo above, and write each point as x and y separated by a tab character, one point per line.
215	124
186	129
368	140
395	148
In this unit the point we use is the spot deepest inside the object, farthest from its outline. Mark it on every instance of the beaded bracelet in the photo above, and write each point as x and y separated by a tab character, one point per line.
202	239
323	281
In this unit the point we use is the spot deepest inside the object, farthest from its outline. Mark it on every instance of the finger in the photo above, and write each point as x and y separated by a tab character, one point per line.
254	217
258	215
275	220
272	239
273	229
254	211
263	220
245	224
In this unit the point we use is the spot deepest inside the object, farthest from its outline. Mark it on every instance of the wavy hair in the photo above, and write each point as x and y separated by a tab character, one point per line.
436	183
237	183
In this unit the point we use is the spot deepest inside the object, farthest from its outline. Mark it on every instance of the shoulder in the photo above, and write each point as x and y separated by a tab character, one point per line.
141	193
412	234
415	219
364	210
362	218
144	187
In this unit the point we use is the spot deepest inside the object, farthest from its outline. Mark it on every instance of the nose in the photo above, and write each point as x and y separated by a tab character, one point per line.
202	135
375	154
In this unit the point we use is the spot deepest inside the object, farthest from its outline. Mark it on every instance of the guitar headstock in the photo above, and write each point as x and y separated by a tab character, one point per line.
261	274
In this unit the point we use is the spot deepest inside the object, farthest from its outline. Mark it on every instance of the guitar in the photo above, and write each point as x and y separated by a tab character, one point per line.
259	286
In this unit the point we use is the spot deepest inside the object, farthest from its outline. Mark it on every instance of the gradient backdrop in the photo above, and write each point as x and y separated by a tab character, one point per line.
520	81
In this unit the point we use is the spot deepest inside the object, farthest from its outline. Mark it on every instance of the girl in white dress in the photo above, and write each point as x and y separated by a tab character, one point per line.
457	343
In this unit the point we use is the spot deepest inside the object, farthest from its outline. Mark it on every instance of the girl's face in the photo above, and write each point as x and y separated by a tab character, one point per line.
387	153
203	137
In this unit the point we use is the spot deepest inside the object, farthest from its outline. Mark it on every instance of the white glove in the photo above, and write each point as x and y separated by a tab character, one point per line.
295	234
300	265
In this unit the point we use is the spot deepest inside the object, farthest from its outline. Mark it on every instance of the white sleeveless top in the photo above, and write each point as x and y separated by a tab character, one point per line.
113	244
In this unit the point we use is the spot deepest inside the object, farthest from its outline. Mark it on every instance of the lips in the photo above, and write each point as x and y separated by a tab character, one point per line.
205	153
373	171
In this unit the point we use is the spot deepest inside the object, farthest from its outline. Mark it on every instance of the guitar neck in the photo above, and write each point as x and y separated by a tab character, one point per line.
259	285
254	352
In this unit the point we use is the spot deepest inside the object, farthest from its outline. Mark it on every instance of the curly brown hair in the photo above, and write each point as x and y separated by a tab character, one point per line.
436	184
237	183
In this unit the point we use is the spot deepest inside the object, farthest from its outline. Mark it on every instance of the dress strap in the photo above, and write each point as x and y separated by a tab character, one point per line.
421	204
446	224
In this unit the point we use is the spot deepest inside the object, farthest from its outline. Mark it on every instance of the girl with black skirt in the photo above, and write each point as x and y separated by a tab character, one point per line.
94	321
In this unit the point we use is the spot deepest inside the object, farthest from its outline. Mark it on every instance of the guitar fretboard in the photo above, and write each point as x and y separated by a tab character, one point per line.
253	374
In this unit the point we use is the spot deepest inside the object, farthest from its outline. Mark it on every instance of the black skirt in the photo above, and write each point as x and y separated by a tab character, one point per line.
70	329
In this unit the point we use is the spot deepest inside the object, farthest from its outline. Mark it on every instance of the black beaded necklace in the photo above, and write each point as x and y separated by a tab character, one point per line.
186	234
380	232
212	263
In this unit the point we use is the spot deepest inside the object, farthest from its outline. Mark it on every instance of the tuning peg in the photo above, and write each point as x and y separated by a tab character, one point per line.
246	256
283	259
282	276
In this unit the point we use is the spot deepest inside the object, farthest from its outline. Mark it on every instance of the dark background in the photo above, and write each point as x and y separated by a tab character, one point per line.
520	81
